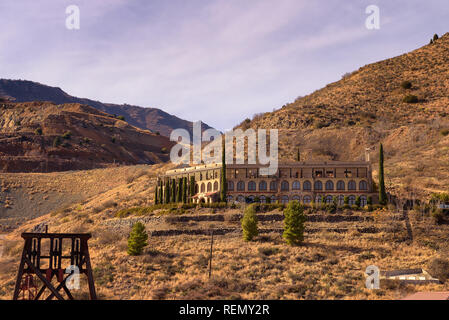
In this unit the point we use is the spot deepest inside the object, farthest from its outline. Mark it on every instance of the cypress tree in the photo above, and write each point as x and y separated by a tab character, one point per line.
224	184
173	191
298	155
192	187
382	193
249	223
167	191
137	239
155	194
161	199
294	223
179	190
184	190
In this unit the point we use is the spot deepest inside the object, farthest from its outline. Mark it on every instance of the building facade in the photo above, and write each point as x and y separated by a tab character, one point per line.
303	181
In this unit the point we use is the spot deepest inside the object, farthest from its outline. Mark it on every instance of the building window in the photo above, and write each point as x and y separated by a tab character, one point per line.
351	185
241	186
240	198
329	185
251	186
363	185
307	186
296	185
318	199
330	174
262	186
250	199
273	199
318	174
340	185
203	188
318	185
296	198
209	187
201	176
363	201
230	185
307	199
341	200
196	189
329	199
351	200
273	186
285	186
215	186
284	199
263	199
230	198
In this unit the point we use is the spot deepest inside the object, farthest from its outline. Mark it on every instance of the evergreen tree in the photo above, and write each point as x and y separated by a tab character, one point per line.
156	194
249	223
173	191
167	191
435	37
137	239
192	188
184	190
382	193
224	183
179	190
357	201
294	223
298	155
161	199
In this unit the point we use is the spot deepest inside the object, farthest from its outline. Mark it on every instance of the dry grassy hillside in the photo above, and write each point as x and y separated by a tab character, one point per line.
44	137
376	104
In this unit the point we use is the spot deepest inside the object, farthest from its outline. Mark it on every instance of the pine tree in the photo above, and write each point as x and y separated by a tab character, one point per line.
184	190
435	37
294	223
382	193
137	239
224	183
249	223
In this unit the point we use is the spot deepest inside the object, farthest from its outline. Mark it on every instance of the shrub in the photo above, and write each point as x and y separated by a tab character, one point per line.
249	223
121	118
57	141
331	208
435	37
38	131
294	223
406	84
438	216
357	201
410	98
67	135
444	132
137	239
439	268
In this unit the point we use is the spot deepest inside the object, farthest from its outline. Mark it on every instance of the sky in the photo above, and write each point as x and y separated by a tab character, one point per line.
219	61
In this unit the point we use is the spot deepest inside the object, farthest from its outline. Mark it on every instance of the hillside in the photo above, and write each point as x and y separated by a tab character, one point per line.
45	137
376	104
152	119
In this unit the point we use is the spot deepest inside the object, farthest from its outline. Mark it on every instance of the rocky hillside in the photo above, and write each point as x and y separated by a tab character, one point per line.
44	137
402	102
152	119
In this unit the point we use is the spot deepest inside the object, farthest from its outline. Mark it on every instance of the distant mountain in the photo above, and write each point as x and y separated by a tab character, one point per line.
401	102
45	137
152	119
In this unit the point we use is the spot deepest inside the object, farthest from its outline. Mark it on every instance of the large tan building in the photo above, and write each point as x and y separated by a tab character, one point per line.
303	181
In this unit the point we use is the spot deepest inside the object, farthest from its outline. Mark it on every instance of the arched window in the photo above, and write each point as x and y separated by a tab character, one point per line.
196	188
340	185
318	199
240	186
230	185
307	199
328	199
262	186
215	186
209	187
363	185
307	186
251	186
351	185
230	198
318	185
273	199
241	198
203	188
341	200
329	185
351	200
285	186
263	199
296	185
296	198
363	201
273	186
250	199
284	199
